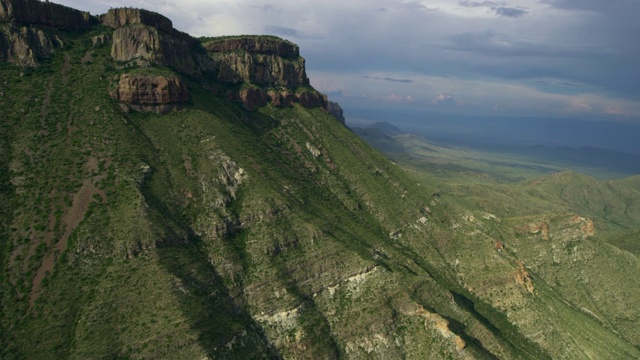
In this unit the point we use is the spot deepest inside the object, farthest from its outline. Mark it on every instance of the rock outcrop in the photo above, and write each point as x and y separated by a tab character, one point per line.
272	66
250	97
336	111
26	46
22	42
160	94
147	38
267	45
259	69
34	12
117	18
243	66
523	278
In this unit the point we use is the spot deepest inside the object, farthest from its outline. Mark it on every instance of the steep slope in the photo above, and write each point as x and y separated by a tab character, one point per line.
151	210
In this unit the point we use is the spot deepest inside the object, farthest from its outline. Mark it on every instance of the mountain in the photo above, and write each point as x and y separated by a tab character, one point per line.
386	128
379	140
164	196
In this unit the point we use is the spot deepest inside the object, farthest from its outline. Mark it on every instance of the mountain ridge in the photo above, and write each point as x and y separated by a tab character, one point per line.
221	230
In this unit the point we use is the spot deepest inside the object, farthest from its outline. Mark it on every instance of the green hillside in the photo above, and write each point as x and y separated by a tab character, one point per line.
175	206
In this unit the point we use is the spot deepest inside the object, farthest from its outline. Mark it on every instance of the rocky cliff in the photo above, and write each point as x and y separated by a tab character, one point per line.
34	12
334	109
264	61
25	45
267	45
117	18
147	39
253	70
160	94
262	68
272	66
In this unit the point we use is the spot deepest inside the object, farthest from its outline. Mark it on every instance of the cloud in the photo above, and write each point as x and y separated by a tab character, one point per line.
393	98
509	12
598	6
478	3
411	5
266	7
404	81
444	99
497	8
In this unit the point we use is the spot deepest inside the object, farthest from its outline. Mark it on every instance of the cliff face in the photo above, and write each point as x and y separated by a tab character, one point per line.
264	61
334	109
34	12
272	68
258	69
160	94
25	46
255	45
271	65
148	38
117	18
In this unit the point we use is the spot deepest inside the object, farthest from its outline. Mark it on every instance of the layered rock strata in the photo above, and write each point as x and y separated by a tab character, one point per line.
147	38
160	94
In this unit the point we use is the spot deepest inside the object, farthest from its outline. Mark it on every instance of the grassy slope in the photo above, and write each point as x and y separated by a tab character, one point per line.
177	252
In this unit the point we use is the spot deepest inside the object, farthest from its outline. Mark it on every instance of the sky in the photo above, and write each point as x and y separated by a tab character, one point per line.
542	58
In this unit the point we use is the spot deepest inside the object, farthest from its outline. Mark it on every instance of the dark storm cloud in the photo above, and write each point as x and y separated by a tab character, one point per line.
509	12
404	81
598	6
478	3
497	8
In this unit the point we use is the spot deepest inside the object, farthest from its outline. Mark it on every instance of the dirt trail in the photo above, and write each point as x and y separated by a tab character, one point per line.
70	221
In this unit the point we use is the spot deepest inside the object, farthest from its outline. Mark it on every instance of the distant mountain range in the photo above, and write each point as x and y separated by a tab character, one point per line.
553	132
599	162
